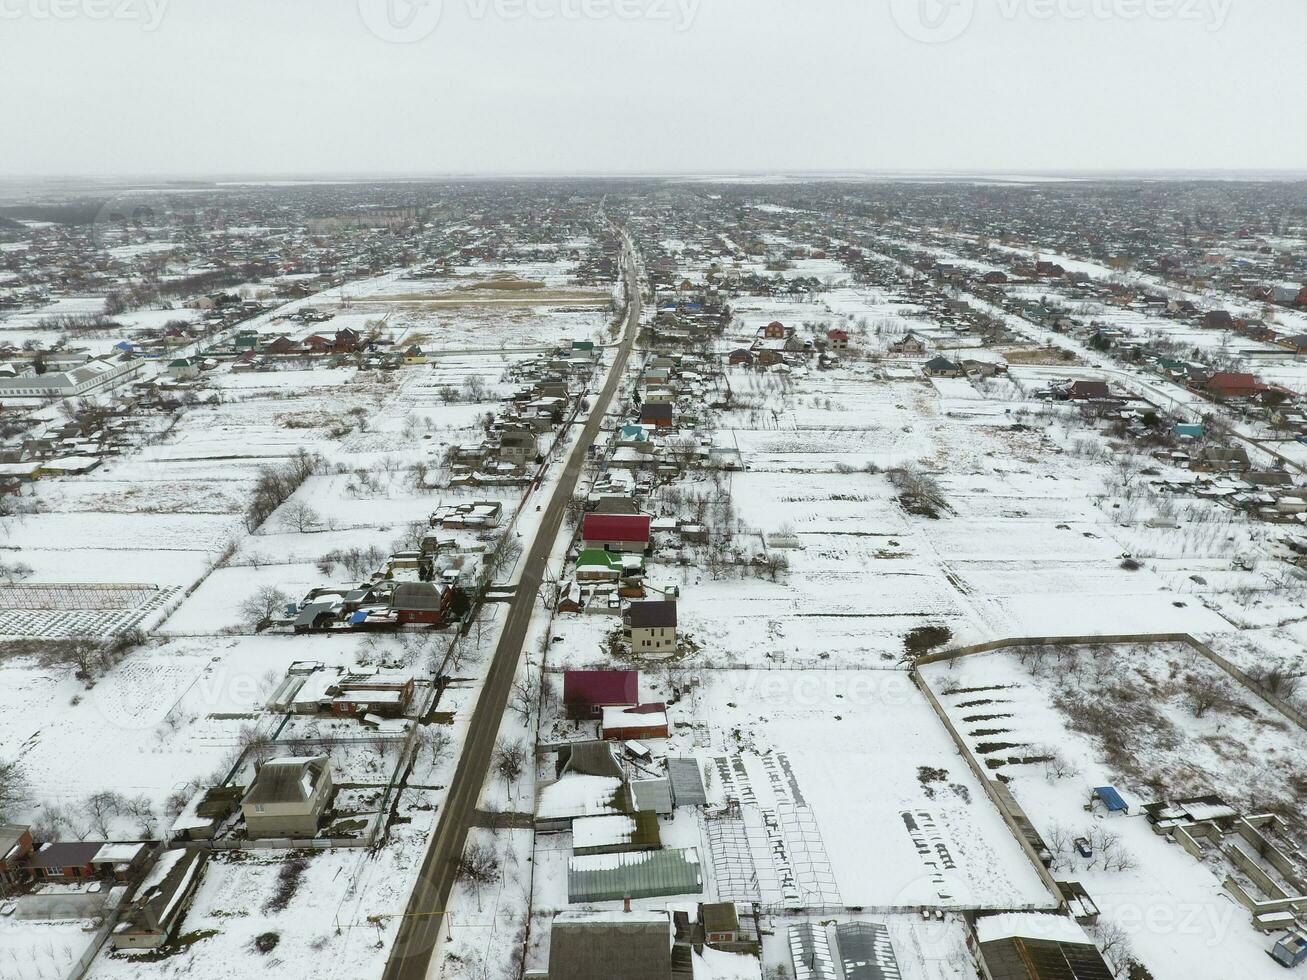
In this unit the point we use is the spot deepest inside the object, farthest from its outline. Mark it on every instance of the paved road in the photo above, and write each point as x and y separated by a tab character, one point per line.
420	929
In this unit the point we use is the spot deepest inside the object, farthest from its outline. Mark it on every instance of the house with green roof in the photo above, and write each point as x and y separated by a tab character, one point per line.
598	565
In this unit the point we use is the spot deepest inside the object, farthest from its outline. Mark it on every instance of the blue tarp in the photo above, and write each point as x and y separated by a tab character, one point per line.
1112	799
358	617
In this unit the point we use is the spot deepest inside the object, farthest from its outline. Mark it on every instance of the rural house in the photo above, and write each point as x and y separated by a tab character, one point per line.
586	693
288	797
652	626
617	532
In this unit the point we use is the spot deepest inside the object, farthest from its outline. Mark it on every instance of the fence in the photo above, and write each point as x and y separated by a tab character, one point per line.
1005	812
1276	702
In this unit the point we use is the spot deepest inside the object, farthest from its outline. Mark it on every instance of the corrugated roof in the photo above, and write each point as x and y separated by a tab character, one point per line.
651	615
588	946
616	527
687	782
652	794
644	874
866	952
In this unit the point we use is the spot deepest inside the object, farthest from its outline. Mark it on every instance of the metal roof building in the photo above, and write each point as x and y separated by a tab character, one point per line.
687	782
866	952
810	953
641	874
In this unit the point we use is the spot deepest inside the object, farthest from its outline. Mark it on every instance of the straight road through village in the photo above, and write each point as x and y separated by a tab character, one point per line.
419	931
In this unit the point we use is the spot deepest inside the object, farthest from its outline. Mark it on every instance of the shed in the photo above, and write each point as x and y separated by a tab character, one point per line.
686	780
610	946
652	794
1111	799
644	874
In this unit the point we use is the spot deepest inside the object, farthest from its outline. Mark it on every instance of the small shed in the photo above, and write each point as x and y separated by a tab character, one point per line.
686	779
1111	799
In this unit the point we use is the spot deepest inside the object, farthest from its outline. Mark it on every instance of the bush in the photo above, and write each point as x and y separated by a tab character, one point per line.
923	639
266	942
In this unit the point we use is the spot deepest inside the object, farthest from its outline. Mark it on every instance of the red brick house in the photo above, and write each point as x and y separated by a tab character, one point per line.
347	341
617	532
660	415
775	331
740	356
635	722
64	862
281	345
15	846
388	697
586	693
1232	384
420	602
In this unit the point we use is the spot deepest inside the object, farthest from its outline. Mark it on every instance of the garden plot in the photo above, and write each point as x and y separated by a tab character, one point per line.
1125	716
896	780
38	950
173	713
250	915
61	611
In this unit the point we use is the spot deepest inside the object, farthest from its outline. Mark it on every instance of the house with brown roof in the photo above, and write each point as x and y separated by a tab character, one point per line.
288	797
652	626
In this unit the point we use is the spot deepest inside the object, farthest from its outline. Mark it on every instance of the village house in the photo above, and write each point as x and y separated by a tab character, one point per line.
628	533
911	344
1232	384
380	694
586	693
288	797
1081	391
652	627
658	415
634	722
15	846
941	367
837	339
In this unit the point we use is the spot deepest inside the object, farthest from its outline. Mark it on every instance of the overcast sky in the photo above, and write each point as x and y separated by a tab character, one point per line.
307	87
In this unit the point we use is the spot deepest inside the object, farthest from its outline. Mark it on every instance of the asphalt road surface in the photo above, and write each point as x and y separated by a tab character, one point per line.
420	929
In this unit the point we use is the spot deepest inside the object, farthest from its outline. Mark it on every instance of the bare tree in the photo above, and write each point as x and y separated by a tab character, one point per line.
1206	694
13	786
510	760
525	695
301	516
102	807
258	610
480	866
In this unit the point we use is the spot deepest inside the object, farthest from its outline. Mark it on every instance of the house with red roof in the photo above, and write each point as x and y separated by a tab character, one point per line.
838	339
586	693
617	532
1232	384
